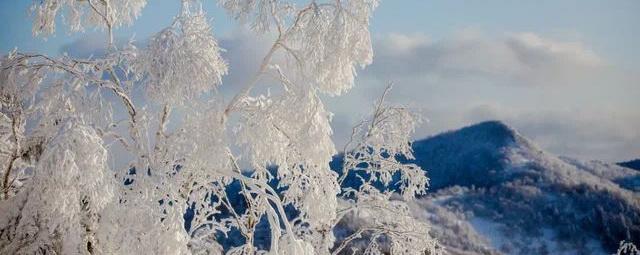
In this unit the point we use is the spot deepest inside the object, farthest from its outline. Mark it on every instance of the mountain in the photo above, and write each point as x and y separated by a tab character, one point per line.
495	192
633	164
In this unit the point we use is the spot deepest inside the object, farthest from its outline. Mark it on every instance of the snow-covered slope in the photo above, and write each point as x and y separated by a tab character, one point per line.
494	191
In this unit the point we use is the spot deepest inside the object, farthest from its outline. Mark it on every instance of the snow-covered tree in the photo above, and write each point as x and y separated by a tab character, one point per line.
220	166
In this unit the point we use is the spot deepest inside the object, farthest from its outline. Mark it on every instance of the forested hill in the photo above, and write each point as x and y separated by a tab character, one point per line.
493	190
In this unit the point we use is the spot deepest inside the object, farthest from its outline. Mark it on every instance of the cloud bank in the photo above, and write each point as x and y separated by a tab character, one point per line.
514	59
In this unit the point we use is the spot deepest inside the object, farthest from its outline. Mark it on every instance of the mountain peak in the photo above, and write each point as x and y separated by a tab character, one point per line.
492	133
497	124
473	155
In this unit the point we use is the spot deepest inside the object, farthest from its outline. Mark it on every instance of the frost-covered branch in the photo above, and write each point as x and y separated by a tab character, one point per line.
76	180
373	156
6	184
80	69
627	248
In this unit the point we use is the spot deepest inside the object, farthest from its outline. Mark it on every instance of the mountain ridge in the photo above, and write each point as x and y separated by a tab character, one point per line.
484	143
496	177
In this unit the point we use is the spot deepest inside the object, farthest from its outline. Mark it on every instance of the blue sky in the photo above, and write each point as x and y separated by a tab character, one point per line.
610	27
563	72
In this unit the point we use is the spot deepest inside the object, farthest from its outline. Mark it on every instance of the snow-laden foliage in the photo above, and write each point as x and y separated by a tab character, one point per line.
70	184
325	41
108	14
386	226
90	168
260	14
373	155
376	144
18	89
169	61
339	42
302	169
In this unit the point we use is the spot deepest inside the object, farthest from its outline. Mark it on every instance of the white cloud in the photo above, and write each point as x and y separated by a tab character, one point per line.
94	45
532	45
515	59
403	44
